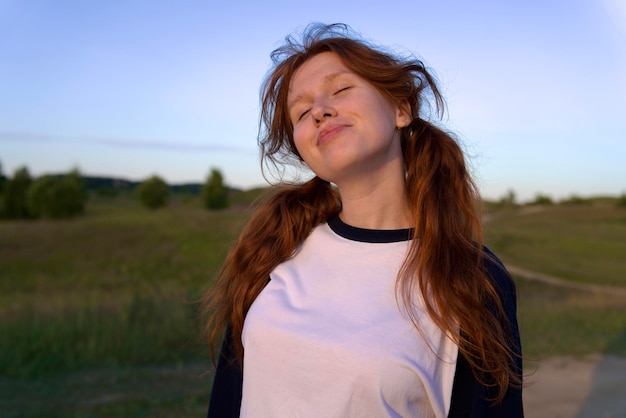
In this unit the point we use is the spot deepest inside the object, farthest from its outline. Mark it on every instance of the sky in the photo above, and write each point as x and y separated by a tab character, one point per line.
535	90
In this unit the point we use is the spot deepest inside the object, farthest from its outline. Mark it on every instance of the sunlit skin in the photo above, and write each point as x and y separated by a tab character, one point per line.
348	133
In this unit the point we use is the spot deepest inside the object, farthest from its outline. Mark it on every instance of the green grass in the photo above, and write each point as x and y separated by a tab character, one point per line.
114	249
174	391
117	287
94	311
582	243
153	327
98	315
557	321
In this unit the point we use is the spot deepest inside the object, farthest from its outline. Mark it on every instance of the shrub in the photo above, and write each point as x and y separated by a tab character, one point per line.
575	200
57	197
15	195
39	195
509	199
153	192
214	192
542	199
3	180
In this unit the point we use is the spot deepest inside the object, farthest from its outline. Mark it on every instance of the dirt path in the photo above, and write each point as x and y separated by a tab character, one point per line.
593	386
555	281
567	387
552	280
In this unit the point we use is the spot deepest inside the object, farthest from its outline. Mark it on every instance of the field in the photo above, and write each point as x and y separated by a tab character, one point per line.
98	316
580	244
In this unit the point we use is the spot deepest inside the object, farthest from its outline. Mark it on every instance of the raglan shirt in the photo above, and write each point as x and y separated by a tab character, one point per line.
327	337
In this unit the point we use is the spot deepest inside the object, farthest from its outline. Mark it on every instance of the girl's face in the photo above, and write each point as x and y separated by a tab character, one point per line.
343	127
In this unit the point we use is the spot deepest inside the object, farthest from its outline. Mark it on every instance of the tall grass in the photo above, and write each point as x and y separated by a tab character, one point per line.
116	288
150	328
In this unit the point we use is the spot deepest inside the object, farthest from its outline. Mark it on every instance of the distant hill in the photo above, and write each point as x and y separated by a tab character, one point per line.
116	184
94	183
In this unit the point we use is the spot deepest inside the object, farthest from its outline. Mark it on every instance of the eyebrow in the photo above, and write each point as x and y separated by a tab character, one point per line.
327	79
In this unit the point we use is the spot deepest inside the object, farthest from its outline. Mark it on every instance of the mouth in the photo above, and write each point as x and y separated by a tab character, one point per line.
330	132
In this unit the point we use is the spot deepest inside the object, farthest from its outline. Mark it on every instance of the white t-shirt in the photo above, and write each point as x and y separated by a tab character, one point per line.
327	337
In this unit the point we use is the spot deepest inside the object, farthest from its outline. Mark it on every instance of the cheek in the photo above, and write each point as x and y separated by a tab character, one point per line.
299	140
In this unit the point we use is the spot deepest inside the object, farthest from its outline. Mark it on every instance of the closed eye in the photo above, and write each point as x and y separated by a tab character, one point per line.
342	89
303	114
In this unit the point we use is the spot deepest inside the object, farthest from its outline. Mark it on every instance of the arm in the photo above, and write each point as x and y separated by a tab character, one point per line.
226	393
469	397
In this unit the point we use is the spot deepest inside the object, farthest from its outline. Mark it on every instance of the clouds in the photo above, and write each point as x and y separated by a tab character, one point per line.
146	144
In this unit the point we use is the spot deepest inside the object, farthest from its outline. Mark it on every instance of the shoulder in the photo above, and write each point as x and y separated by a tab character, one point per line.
498	275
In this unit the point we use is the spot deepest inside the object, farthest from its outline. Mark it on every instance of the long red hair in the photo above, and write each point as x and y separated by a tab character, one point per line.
446	259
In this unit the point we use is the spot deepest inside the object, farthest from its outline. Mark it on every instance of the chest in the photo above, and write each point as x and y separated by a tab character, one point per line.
328	322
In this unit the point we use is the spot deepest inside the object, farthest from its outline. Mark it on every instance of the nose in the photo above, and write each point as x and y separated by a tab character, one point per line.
322	111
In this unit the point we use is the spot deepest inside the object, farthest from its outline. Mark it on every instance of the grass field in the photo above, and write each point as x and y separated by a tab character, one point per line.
582	243
98	315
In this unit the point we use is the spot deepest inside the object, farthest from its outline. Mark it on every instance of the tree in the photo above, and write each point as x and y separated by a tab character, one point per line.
509	199
575	200
74	193
542	199
15	195
39	196
214	192
153	192
3	179
58	197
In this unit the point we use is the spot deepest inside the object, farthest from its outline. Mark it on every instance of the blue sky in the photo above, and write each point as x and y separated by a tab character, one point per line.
536	90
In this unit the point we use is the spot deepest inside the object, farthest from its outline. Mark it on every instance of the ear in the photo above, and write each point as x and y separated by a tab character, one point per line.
403	115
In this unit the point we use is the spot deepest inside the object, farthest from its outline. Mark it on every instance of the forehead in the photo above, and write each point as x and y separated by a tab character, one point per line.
322	67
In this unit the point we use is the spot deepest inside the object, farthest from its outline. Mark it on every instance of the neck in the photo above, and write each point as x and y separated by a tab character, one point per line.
376	203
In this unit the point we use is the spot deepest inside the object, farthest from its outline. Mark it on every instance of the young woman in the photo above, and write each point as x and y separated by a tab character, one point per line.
365	291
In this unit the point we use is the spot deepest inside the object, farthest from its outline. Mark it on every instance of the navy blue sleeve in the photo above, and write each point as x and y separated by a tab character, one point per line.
470	399
227	384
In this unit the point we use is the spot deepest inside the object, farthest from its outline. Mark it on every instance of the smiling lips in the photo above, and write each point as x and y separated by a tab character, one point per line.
330	131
